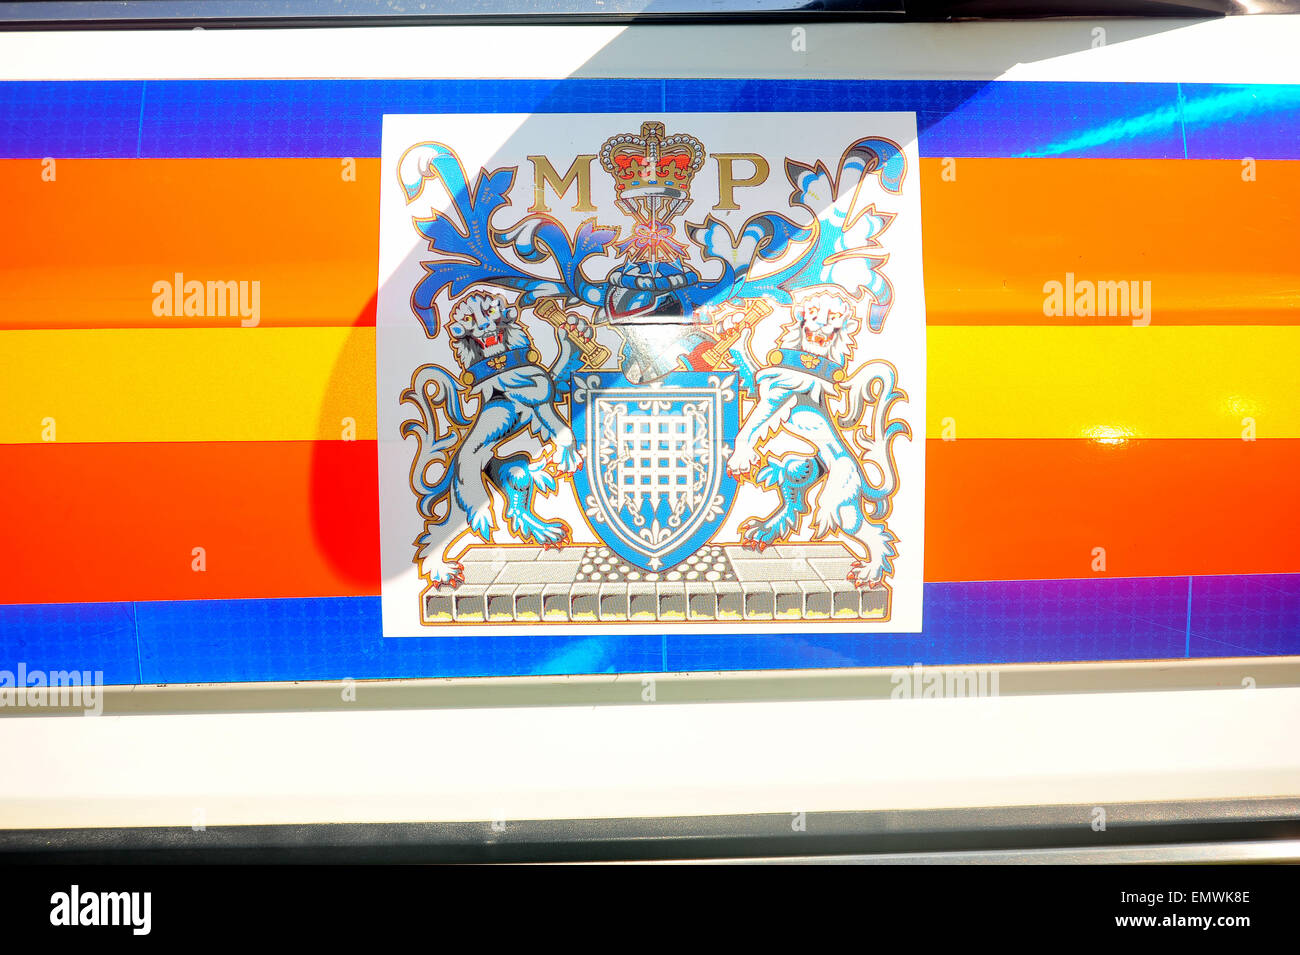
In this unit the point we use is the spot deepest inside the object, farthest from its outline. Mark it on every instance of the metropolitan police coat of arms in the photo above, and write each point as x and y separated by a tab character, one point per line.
637	369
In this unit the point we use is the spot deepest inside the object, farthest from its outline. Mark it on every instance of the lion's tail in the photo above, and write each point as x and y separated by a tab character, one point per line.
871	390
434	390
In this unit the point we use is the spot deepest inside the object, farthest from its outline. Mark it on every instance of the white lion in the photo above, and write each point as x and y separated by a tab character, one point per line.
803	380
515	394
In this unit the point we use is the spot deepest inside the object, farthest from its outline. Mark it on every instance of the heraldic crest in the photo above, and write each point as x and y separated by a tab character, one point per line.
710	405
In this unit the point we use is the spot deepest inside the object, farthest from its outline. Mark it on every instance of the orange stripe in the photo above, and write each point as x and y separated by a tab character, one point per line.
293	519
1019	510
1215	248
85	250
91	522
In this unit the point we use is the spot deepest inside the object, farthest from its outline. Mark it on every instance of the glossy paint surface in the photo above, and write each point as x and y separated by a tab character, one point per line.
1170	440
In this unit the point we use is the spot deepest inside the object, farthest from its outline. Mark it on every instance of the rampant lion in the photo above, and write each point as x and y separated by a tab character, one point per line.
795	392
500	368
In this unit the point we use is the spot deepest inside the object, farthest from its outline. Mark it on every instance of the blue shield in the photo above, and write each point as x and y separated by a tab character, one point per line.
654	486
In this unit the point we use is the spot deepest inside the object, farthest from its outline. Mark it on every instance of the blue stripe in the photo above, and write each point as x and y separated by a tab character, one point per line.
1246	616
965	623
48	637
72	120
325	118
1236	122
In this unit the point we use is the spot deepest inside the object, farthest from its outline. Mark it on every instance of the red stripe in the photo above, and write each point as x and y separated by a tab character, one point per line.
1020	510
99	522
92	522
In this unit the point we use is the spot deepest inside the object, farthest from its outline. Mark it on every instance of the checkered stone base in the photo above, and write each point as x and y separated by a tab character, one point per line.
590	584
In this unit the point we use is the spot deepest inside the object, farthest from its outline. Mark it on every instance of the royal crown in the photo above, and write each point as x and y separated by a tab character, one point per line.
652	164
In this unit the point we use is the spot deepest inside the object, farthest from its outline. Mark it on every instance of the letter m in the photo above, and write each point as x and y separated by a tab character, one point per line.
118	904
221	298
544	173
62	680
1112	298
962	683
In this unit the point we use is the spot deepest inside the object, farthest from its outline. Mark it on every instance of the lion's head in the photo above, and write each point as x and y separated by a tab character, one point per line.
824	321
483	326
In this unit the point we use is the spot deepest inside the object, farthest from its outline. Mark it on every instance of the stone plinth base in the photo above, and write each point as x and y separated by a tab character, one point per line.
587	584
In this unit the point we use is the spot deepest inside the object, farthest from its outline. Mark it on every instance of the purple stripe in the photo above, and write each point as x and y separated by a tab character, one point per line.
965	623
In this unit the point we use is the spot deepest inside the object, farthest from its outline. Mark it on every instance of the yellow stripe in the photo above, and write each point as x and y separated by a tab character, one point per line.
1113	382
177	384
293	384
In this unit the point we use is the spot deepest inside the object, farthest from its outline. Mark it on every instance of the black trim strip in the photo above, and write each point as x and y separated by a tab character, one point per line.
187	14
772	835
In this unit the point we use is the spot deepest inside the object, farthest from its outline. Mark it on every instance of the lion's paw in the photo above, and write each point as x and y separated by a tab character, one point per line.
564	456
759	535
578	327
742	462
443	573
864	574
552	534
